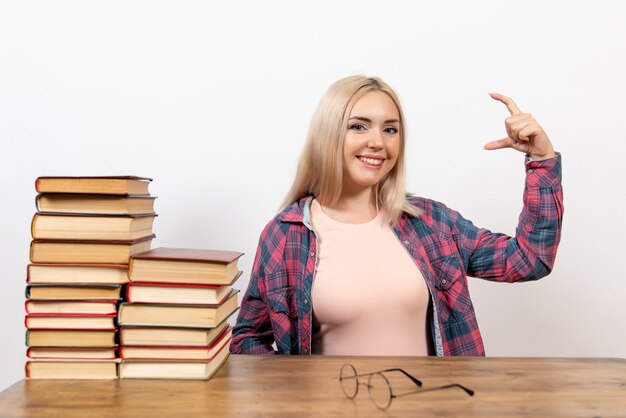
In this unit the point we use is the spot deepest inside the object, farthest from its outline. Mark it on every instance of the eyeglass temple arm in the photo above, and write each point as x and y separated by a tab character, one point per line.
413	379
467	390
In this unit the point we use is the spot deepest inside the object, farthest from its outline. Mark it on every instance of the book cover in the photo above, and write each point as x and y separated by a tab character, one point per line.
93	203
72	369
117	185
71	321
179	369
70	338
78	291
84	307
87	251
89	226
74	353
173	293
204	353
171	336
179	315
189	254
182	265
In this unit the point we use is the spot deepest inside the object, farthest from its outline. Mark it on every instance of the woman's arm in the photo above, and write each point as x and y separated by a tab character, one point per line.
531	253
253	333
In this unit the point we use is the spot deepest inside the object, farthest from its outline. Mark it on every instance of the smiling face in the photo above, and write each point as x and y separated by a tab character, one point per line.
372	142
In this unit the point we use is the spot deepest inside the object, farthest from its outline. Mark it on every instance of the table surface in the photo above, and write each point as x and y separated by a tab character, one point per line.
290	386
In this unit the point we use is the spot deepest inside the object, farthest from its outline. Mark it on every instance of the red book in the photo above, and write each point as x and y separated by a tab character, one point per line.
206	353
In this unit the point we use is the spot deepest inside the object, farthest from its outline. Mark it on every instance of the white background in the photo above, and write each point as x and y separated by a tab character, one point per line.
213	100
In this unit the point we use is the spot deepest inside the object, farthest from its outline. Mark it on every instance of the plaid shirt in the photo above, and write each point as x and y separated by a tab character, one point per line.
446	247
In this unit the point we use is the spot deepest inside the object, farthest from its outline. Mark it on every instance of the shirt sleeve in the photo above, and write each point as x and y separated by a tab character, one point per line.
252	334
531	253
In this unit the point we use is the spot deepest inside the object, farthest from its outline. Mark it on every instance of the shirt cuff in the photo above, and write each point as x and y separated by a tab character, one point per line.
544	173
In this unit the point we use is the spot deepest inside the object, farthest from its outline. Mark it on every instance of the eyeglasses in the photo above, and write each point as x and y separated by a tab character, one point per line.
379	388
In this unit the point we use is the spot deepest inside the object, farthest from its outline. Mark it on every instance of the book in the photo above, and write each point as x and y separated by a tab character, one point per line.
185	337
117	185
77	273
184	265
76	353
91	226
89	322
202	370
70	338
198	316
51	307
176	352
139	292
68	369
45	291
93	203
86	251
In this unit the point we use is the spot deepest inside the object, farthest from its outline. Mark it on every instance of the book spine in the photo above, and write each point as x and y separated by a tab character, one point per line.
128	298
130	267
37	188
32	251
33	224
27	369
182	285
73	315
28	352
27	338
37	203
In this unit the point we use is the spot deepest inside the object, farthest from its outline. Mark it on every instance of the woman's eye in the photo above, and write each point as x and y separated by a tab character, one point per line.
391	130
357	127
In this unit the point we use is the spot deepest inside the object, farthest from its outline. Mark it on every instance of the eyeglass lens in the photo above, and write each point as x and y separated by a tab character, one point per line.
379	390
349	380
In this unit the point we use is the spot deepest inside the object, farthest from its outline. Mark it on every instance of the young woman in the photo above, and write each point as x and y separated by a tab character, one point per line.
352	265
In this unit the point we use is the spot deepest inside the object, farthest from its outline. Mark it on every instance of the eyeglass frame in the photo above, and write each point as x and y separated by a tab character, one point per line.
380	373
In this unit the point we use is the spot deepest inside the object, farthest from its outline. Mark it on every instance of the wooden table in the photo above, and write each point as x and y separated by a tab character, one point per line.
285	386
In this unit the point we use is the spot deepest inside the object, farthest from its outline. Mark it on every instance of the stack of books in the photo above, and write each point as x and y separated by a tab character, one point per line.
173	324
84	232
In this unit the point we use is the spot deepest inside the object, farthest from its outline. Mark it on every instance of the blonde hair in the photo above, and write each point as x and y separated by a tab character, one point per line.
320	169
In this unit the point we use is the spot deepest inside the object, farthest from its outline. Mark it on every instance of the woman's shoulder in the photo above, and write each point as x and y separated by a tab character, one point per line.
432	211
426	205
293	214
284	229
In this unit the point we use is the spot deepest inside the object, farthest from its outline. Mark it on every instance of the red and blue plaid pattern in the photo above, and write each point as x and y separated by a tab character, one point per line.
446	247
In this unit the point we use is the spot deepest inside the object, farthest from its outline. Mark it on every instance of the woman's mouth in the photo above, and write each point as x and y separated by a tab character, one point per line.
375	162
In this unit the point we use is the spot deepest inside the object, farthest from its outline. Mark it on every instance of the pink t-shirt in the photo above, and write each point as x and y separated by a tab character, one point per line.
368	295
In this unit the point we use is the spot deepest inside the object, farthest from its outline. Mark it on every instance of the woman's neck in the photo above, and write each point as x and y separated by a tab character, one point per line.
353	207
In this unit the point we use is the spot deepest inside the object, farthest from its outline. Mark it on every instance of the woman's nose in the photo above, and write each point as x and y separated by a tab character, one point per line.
375	140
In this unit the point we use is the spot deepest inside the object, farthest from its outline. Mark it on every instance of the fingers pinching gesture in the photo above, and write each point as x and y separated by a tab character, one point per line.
523	133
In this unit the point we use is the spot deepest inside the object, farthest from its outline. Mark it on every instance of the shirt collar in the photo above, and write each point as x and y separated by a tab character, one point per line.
299	212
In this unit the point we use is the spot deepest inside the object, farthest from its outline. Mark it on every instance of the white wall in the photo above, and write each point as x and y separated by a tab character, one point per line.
213	99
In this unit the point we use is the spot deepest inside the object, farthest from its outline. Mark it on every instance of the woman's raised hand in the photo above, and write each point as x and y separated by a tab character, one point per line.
524	133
